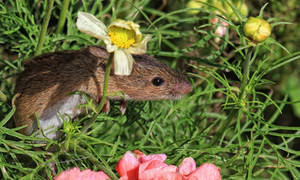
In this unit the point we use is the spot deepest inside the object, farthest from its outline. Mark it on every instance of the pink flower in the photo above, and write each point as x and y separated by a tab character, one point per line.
76	174
138	166
221	26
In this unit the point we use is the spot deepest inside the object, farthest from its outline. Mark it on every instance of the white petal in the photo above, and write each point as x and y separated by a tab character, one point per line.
125	24
109	46
122	62
90	25
141	48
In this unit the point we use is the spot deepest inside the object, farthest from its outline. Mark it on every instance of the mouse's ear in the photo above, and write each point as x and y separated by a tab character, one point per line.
98	52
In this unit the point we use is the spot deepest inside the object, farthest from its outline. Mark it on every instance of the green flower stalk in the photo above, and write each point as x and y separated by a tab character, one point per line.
44	27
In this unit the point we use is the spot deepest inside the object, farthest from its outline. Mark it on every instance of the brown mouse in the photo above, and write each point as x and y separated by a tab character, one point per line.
45	88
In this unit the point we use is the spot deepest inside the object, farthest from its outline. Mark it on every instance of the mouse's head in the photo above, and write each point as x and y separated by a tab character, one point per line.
153	80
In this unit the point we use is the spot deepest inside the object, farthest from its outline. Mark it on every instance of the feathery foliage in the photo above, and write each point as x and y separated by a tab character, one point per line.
242	115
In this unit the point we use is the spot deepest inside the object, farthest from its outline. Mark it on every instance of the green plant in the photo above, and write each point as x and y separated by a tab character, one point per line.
231	119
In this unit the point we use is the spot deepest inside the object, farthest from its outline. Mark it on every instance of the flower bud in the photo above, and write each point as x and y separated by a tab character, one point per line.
226	7
195	4
257	29
241	7
221	28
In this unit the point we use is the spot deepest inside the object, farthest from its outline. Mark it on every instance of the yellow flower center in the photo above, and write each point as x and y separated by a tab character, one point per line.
121	37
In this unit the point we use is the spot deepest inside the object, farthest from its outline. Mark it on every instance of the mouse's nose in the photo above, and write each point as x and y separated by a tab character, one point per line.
187	87
183	88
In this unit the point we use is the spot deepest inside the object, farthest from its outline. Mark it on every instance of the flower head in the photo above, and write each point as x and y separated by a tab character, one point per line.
124	34
123	38
257	29
138	166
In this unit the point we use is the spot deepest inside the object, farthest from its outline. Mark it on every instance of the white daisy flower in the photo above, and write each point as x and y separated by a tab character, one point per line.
122	38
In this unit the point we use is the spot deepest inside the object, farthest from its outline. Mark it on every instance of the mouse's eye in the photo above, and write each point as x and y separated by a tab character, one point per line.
157	81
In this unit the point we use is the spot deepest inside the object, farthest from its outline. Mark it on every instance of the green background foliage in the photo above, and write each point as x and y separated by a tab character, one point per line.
242	115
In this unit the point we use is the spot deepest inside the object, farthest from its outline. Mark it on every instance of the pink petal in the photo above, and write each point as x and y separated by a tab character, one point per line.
124	178
170	168
187	166
153	169
76	174
153	164
138	152
221	31
206	172
149	169
158	157
128	166
221	26
93	175
169	176
69	174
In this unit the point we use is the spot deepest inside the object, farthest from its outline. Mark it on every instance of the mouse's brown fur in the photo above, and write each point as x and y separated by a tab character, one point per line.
51	77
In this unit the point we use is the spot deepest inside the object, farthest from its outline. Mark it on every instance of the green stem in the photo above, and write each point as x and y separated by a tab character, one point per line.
234	112
74	146
44	27
99	165
62	16
104	95
246	72
105	86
